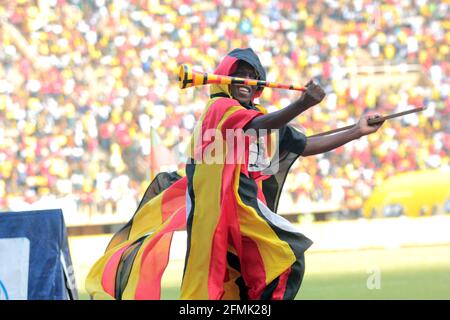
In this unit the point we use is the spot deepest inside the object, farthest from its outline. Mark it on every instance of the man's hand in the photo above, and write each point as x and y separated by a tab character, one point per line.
364	127
313	95
277	119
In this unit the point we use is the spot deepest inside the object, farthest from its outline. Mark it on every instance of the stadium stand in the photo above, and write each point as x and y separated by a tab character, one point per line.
83	82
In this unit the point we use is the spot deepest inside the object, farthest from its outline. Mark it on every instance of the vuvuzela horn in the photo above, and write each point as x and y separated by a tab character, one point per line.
191	78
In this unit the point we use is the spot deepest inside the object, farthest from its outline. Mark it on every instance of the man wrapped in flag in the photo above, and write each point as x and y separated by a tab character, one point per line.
237	246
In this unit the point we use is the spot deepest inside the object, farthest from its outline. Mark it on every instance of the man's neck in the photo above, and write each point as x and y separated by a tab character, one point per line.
248	105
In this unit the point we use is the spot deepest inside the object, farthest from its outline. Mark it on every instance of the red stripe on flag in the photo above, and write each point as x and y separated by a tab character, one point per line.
211	120
156	257
173	198
110	271
261	196
252	268
218	262
279	291
239	119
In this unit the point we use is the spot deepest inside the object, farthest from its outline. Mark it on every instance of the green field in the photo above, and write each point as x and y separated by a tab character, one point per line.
408	273
401	273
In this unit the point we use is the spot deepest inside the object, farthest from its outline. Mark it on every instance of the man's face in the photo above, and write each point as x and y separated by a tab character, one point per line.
241	92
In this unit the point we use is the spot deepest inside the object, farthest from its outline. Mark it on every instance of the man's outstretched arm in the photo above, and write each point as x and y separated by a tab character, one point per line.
321	144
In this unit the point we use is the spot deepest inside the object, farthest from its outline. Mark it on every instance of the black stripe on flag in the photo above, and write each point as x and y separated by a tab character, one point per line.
125	265
190	169
298	243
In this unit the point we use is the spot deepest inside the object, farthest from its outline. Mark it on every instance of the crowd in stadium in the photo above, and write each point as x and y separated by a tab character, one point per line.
86	87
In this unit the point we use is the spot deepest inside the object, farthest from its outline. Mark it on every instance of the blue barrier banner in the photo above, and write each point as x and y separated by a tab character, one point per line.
35	262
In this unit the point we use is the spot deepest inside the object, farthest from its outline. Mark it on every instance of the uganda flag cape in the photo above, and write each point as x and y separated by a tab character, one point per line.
237	246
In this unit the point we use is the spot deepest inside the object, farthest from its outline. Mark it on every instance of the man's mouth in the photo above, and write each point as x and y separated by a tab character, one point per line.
244	90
